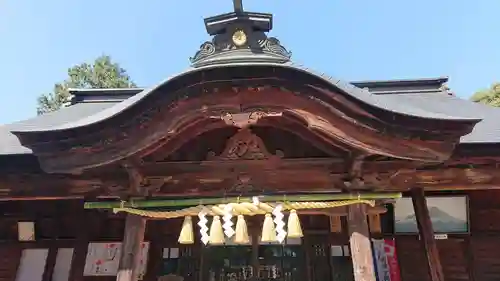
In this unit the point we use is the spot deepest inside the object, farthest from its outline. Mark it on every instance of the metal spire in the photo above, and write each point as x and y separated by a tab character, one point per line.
238	6
240	36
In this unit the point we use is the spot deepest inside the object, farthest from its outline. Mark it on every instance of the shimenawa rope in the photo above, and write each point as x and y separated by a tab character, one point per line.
245	208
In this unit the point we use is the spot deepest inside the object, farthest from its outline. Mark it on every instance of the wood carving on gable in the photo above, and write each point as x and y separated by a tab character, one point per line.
244	183
245	119
245	145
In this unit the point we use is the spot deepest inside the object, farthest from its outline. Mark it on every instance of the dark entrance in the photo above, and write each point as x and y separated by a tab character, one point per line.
285	262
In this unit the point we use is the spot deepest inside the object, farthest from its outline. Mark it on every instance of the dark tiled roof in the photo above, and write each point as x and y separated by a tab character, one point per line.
9	144
423	98
402	83
385	102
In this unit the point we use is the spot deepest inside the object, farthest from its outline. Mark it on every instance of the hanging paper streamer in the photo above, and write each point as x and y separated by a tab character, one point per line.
247	272
241	231
228	224
187	236
268	231
280	224
203	226
216	233
294	227
274	272
255	200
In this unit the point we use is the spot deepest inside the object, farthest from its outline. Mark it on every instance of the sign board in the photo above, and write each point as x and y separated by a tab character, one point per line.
386	260
441	236
103	259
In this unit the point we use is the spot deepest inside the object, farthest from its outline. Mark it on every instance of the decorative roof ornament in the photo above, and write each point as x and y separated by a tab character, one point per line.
240	37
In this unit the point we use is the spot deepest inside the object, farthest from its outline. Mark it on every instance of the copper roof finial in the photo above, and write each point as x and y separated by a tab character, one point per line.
240	36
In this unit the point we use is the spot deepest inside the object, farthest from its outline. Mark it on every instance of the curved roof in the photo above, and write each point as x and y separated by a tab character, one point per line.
411	102
222	52
405	105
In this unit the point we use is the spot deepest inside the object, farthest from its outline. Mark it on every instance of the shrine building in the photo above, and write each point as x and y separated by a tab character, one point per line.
246	166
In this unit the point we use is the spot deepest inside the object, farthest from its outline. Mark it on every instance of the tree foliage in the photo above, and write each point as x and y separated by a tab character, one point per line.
489	96
102	73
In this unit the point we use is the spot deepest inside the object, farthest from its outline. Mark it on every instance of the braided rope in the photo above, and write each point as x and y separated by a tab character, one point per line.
244	208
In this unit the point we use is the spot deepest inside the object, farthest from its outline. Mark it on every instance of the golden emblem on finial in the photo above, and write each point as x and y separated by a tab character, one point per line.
239	38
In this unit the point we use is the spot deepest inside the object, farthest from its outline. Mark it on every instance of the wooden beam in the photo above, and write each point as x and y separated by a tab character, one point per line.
210	178
50	264
427	234
81	245
128	268
343	211
359	238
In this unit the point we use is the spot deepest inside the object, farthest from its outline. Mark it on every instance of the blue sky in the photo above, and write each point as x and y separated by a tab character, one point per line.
153	39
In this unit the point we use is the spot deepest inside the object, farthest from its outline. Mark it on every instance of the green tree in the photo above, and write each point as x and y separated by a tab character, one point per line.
489	96
102	73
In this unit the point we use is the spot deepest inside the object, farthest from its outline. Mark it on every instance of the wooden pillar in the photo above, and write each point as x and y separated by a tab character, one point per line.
427	234
85	221
155	253
128	268
359	238
50	263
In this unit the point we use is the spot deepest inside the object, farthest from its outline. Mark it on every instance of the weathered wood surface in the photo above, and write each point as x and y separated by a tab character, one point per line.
472	257
207	178
427	234
128	269
359	238
237	158
328	115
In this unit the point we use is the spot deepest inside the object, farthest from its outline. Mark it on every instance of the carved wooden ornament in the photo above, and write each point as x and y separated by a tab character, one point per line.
245	119
245	145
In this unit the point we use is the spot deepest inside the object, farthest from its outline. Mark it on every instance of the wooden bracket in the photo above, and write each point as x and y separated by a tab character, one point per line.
354	180
136	179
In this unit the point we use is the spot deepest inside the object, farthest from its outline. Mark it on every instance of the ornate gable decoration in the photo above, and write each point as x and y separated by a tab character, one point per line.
240	37
245	145
223	50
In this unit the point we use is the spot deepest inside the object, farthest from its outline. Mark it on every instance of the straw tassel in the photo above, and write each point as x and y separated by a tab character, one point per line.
294	228
268	230
187	236
241	231
216	233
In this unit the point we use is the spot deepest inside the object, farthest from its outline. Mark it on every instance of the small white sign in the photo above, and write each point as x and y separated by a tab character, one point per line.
26	231
440	236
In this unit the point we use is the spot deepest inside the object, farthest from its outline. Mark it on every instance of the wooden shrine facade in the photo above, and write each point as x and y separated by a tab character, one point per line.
245	121
322	252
